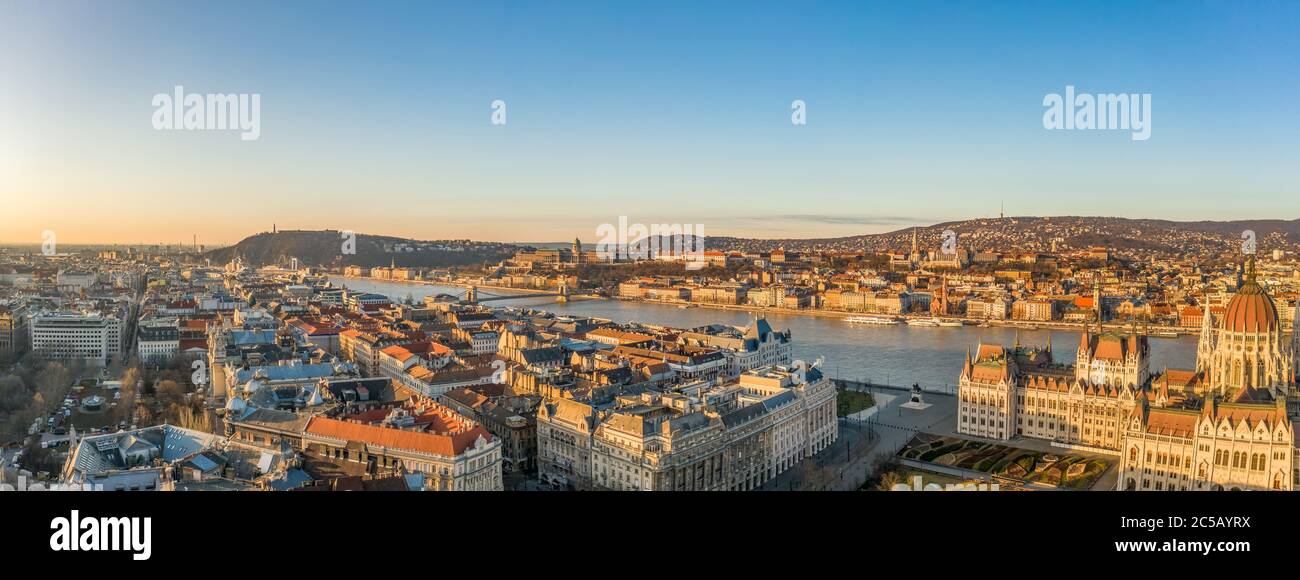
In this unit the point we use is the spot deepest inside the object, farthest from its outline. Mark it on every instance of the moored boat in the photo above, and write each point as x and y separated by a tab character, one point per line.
872	319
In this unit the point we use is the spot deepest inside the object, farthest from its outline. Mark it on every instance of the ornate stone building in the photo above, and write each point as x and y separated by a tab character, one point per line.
1247	348
729	435
751	347
1227	424
453	452
1239	445
1022	391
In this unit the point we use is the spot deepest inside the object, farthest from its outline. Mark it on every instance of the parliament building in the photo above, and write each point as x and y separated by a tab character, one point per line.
1225	425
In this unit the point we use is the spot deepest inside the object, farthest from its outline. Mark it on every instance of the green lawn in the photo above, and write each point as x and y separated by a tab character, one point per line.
849	402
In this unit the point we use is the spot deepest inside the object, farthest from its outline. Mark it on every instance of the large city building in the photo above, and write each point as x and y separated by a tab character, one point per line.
744	349
1227	424
158	340
169	458
94	337
702	436
13	332
453	452
1022	391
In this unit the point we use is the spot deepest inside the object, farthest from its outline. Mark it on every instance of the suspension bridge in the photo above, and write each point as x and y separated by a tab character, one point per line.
473	295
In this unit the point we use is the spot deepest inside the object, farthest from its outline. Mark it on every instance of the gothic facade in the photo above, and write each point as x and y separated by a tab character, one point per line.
1227	424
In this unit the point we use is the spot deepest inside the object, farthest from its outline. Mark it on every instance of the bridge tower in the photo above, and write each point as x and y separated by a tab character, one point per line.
564	292
471	294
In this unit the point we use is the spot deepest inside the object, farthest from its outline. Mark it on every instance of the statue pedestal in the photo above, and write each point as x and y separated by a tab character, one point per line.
915	401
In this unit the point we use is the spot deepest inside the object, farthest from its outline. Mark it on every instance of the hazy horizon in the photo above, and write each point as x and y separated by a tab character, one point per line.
591	242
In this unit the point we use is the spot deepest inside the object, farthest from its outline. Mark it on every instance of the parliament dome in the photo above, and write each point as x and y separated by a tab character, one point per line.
1251	310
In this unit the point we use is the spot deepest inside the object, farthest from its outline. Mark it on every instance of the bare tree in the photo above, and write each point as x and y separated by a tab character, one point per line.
169	393
14	394
52	384
143	417
190	417
888	480
129	391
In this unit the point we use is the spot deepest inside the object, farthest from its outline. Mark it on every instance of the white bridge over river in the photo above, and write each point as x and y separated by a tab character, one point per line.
472	295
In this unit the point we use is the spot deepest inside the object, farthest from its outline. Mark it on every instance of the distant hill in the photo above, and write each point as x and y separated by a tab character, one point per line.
1032	234
1041	234
325	248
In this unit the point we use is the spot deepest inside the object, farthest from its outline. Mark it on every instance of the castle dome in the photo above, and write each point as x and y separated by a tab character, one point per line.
1251	310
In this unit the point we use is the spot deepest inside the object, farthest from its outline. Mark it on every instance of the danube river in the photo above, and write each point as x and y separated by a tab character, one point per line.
891	355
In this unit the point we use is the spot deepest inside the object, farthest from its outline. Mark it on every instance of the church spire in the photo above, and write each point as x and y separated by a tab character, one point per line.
1205	343
1295	326
1096	300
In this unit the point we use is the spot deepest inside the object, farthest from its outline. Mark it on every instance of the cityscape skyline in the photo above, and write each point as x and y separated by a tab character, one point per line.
465	366
616	121
522	247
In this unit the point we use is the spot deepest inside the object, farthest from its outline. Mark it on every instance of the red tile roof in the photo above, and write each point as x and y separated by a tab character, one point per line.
418	441
1171	422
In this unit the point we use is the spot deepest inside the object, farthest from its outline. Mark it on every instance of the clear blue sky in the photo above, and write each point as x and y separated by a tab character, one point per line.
377	120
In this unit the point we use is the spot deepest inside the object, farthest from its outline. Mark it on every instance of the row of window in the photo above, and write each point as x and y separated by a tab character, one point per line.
1258	461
